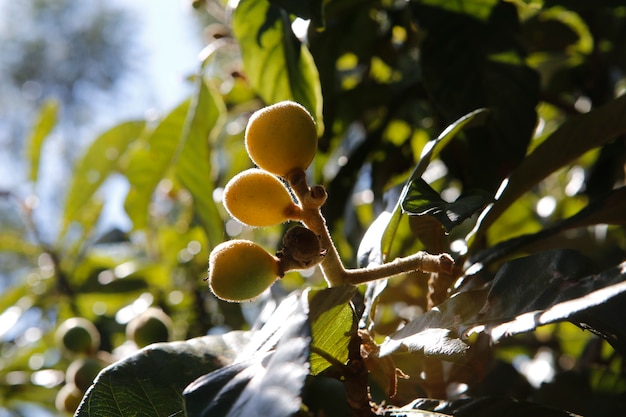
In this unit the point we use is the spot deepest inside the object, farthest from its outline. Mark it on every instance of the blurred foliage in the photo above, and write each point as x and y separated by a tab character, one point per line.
491	130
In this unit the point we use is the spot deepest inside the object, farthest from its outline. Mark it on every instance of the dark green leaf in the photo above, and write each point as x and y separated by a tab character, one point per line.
610	209
575	137
526	293
477	9
422	200
46	120
259	382
150	382
469	64
475	407
430	152
439	332
267	42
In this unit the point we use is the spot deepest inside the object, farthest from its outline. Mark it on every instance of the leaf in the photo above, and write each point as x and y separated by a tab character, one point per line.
526	293
430	152
478	9
439	332
150	382
332	323
469	63
100	160
571	140
262	382
14	242
288	70
475	407
422	200
147	163
272	330
609	209
305	9
46	121
193	167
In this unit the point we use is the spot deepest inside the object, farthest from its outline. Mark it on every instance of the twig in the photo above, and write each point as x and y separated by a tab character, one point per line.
311	200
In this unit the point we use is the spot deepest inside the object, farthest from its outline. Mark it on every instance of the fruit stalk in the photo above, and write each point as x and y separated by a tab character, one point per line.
420	261
312	199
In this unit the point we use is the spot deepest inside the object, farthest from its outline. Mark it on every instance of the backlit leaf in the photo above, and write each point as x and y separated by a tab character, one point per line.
289	72
193	166
46	120
100	160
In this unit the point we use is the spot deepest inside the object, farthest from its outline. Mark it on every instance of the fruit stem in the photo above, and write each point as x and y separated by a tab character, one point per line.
312	199
420	261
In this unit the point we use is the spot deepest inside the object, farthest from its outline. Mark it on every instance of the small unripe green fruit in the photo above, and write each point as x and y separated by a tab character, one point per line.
281	137
257	198
151	326
240	270
77	335
81	372
68	398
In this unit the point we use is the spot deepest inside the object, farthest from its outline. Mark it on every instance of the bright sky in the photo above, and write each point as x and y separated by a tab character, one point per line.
171	39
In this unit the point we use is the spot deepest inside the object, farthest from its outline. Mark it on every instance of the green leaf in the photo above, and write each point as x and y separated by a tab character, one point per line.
430	152
150	382
438	333
526	293
332	323
478	9
100	160
571	140
147	164
46	121
16	243
193	166
468	64
276	64
423	200
609	209
475	407
305	9
266	379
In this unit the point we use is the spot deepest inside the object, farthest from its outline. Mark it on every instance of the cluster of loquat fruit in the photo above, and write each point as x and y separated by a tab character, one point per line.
78	339
280	139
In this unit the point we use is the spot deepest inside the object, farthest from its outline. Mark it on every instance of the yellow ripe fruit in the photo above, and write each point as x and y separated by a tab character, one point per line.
240	270
257	198
281	137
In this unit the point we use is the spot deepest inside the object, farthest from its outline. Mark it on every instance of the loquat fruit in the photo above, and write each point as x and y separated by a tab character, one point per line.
257	198
77	335
151	326
281	137
240	270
